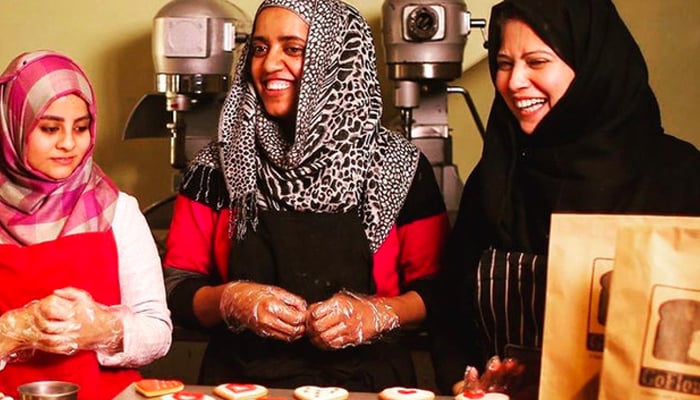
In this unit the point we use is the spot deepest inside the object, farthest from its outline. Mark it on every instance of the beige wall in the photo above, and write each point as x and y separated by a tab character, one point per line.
111	40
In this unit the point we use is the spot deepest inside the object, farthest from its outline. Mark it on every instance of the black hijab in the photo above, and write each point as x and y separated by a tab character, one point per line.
600	149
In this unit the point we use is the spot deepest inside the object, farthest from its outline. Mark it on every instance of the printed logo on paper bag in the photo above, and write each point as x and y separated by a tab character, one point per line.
671	356
598	303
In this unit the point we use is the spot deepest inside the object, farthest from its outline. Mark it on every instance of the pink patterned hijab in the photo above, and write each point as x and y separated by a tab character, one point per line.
35	208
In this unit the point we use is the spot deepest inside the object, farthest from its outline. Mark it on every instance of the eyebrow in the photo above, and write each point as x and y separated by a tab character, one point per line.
529	53
281	38
57	118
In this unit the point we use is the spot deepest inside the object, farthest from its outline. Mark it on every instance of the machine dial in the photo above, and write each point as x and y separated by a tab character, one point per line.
422	23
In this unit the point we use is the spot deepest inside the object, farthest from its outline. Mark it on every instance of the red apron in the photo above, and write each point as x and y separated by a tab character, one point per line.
86	261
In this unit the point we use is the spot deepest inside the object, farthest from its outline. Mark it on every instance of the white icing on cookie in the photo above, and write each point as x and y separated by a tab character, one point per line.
320	393
240	391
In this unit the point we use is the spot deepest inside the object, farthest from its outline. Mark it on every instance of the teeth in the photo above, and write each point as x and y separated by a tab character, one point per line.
530	105
528	102
278	85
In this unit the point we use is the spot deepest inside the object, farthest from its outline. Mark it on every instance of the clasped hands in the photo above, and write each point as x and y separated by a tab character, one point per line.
346	319
63	322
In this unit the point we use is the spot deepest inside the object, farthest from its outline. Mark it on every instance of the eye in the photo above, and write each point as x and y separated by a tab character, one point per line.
504	65
295	51
49	128
537	62
259	50
82	128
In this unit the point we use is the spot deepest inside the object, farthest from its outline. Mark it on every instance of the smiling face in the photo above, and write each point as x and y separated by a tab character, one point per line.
531	77
61	138
277	58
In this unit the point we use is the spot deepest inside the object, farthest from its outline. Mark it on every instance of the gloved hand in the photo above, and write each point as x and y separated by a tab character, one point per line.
17	332
499	376
268	311
90	325
63	322
348	319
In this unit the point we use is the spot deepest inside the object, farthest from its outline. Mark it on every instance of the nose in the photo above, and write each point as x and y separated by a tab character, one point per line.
273	60
67	140
519	78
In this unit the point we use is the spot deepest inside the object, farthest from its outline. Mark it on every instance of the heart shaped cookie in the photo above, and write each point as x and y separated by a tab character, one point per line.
240	391
158	387
402	393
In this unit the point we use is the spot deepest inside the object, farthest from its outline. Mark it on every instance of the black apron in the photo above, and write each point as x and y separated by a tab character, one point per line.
510	297
314	256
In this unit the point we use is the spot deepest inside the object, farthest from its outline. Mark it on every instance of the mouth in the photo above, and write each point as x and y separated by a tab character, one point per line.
277	84
63	160
529	106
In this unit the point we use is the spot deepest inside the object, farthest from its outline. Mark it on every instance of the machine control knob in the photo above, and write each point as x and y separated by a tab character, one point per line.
422	23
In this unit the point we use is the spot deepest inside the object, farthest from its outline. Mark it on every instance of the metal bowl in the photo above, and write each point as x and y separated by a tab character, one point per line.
48	390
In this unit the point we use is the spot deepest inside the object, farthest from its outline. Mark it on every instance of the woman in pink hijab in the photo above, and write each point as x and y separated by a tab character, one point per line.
82	298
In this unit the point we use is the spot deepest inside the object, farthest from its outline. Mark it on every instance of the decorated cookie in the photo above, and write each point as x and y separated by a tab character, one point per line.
240	391
187	396
402	393
482	396
320	393
158	387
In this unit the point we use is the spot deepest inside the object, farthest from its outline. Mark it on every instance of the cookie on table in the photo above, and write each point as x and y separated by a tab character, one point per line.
186	396
240	391
158	387
402	393
482	396
320	393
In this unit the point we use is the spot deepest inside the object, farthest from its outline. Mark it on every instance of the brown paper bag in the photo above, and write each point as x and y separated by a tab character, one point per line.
581	253
652	338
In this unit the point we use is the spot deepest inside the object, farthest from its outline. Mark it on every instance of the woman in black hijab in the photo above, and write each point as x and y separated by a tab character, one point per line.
594	146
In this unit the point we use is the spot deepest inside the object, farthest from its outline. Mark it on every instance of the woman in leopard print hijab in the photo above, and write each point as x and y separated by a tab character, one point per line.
340	158
325	227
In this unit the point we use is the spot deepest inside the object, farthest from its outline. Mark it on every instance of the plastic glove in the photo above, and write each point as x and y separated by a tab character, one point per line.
17	334
63	322
35	326
268	311
348	319
499	376
87	324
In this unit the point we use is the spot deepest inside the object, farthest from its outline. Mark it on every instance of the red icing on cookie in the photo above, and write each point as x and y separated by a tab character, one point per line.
158	384
240	387
474	394
407	391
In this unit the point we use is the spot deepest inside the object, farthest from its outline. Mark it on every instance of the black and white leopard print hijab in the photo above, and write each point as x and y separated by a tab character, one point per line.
342	159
